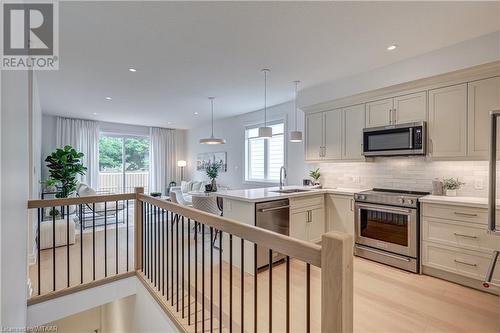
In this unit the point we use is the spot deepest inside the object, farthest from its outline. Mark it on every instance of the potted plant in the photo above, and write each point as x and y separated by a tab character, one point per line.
315	175
155	194
451	185
50	184
212	170
64	165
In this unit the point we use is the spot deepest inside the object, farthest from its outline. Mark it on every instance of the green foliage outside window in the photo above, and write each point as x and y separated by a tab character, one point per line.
111	150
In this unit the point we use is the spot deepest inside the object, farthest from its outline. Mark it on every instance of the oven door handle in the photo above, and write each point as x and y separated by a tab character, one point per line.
388	209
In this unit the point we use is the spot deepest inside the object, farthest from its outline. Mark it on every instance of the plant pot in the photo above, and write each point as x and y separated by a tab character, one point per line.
51	189
451	193
214	185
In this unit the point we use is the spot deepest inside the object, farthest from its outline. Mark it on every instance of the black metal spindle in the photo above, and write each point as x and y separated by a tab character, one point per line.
189	269
270	290
172	255
143	252
211	280
151	243
38	240
230	283
154	245
53	249
168	267
202	277
67	246
82	221
93	241
308	297
158	246
255	294
127	235
116	237
287	294
182	266
220	282
242	285
105	239
146	243
195	276
177	260
163	252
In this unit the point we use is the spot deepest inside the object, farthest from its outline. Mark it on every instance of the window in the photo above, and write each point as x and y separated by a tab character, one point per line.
264	157
123	163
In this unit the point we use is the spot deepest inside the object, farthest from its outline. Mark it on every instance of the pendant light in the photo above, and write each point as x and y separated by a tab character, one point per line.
212	140
296	136
265	132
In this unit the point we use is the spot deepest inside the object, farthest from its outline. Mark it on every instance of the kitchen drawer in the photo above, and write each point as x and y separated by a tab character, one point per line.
460	234
464	262
456	213
307	202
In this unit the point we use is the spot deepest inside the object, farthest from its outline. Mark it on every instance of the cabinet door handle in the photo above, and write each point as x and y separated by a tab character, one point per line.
464	263
390	116
466	236
465	214
324	151
431	146
352	205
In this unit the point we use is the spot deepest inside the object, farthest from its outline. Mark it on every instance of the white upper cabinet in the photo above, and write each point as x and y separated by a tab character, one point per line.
353	124
314	136
398	110
379	113
410	108
332	148
484	96
448	121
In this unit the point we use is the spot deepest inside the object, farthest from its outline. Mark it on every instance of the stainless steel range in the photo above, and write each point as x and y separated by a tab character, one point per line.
387	227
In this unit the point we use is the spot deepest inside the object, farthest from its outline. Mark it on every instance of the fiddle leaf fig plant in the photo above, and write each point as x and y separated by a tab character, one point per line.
64	165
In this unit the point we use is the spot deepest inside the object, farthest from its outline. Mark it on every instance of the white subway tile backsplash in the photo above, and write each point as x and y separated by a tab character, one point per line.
410	173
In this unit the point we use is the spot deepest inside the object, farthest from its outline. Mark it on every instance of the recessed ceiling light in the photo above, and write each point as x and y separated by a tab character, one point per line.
196	113
132	70
109	98
169	122
392	47
95	113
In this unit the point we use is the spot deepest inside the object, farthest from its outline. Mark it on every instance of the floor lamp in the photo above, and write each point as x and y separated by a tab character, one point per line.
181	164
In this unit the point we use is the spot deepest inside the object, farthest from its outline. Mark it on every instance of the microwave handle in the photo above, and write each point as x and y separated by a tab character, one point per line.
411	137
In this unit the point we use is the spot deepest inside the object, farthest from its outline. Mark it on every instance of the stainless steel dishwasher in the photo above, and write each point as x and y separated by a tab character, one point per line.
274	216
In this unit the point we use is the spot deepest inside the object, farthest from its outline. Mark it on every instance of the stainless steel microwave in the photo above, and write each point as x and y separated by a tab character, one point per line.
394	140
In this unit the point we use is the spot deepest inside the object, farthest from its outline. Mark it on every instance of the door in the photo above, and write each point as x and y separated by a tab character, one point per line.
484	96
378	113
448	121
333	135
342	214
354	122
387	228
298	224
314	136
410	108
316	224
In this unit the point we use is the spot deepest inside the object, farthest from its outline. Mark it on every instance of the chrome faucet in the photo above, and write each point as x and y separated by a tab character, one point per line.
282	176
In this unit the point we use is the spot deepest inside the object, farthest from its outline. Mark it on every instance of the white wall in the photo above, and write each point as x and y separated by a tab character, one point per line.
481	50
233	130
15	193
477	51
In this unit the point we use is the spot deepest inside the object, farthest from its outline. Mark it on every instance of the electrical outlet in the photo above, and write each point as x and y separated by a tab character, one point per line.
478	184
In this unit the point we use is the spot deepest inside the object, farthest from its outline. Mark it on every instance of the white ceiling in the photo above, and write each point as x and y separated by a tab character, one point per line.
187	51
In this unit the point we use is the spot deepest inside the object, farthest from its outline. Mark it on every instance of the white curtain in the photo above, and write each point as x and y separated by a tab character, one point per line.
163	158
83	135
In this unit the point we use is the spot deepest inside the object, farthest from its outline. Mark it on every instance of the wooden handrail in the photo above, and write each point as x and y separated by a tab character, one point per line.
295	248
45	203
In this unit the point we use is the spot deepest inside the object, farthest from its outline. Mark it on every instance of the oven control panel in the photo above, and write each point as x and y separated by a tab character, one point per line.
392	200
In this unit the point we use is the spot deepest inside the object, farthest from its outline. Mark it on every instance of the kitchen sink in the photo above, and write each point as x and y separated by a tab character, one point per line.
292	190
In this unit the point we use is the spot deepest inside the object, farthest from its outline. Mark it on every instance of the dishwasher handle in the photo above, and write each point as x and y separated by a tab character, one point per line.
264	210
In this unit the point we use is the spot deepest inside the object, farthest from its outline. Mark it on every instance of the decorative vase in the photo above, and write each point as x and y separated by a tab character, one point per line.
451	193
214	185
52	188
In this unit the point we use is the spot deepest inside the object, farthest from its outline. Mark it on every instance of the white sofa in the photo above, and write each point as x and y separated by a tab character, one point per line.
189	186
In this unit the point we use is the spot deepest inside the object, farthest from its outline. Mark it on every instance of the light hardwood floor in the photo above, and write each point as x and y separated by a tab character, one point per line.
385	299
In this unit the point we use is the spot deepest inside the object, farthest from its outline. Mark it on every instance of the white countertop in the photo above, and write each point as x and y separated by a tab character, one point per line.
269	193
458	201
